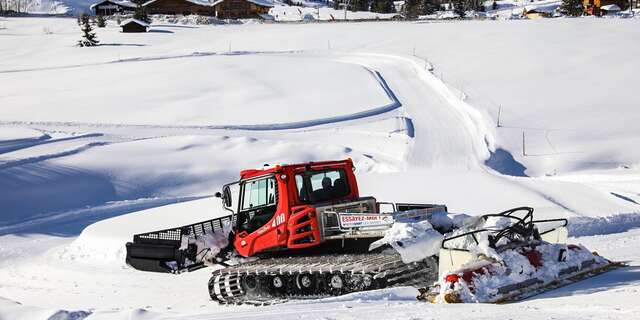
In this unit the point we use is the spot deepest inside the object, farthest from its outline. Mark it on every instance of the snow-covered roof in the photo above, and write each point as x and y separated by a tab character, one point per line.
198	2
548	8
610	7
262	3
123	3
142	23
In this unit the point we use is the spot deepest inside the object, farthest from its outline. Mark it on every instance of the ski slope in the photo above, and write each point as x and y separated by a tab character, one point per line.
102	143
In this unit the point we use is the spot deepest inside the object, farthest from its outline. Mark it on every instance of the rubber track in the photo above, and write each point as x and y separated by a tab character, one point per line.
384	269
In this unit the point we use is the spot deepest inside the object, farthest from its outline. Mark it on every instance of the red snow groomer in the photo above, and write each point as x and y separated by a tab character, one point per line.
304	231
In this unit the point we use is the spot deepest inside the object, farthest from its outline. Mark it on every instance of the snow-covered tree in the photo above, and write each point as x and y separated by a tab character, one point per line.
100	21
571	7
141	14
359	5
89	38
411	9
429	7
459	7
383	6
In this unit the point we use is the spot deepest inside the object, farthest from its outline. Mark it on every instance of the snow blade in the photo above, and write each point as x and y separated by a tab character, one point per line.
174	250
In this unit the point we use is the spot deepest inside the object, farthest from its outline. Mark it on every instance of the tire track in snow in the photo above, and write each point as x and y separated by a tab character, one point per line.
90	214
45	139
156	58
448	131
44	157
392	105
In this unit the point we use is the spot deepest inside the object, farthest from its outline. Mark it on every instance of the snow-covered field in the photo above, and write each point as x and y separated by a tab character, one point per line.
97	144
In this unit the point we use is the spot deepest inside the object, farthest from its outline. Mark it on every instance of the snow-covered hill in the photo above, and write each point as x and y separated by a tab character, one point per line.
97	144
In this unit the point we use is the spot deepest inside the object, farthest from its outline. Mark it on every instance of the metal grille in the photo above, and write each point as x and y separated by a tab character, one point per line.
174	235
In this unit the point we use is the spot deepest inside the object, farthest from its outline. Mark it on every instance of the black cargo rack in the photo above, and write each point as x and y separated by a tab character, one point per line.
154	251
174	235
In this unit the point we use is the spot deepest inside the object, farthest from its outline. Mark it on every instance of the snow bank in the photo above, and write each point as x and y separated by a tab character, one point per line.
588	226
418	240
16	311
9	134
196	90
103	243
413	240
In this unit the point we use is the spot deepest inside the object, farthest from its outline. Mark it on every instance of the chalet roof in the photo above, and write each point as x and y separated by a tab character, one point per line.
262	3
198	2
542	8
142	23
122	3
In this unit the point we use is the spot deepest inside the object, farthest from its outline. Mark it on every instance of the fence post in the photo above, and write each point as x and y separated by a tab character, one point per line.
498	125
524	151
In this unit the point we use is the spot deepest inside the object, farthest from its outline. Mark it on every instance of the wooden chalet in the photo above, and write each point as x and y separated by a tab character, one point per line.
540	11
133	25
183	7
223	9
109	7
593	7
239	9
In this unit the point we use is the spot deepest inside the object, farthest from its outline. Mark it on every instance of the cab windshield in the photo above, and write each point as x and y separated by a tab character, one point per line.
321	186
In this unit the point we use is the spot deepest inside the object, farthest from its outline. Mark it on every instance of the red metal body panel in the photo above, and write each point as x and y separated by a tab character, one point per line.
293	226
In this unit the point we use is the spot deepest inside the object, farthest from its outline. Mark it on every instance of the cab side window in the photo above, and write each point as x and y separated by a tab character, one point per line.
259	193
258	203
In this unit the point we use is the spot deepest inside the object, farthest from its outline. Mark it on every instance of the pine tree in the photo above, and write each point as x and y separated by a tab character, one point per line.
101	22
571	7
459	7
336	4
411	9
359	5
88	38
476	5
429	7
141	14
383	6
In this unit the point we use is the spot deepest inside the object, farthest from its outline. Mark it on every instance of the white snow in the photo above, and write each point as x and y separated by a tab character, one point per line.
414	241
142	23
101	143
